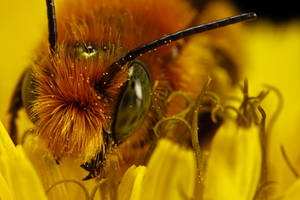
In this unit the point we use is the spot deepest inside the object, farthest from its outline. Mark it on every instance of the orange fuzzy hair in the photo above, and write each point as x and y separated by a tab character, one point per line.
70	113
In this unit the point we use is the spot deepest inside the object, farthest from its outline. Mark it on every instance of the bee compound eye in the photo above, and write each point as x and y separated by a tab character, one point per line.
29	94
133	104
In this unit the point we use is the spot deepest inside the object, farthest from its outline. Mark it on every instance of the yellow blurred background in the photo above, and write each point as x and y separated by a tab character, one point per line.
22	24
273	53
273	58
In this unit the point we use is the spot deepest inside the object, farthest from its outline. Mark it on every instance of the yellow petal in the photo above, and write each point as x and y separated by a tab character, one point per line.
6	145
18	178
23	179
6	148
293	193
130	187
5	192
234	165
45	166
170	174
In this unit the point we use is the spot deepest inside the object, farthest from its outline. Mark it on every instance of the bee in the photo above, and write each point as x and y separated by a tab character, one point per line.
89	87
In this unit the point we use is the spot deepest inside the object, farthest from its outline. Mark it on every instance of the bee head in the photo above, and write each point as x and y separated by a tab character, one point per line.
83	88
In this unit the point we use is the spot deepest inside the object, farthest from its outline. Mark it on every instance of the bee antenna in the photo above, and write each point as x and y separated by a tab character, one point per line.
51	24
188	32
131	55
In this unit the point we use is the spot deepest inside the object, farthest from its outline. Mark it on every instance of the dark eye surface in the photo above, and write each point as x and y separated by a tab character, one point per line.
28	93
133	104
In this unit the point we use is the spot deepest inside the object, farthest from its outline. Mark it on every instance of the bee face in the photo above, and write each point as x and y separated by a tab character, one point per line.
73	92
65	97
93	83
68	112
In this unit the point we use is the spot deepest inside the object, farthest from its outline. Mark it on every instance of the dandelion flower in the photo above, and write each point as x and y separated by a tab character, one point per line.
170	174
234	163
18	179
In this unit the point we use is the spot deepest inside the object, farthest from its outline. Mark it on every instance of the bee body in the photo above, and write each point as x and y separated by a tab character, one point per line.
82	101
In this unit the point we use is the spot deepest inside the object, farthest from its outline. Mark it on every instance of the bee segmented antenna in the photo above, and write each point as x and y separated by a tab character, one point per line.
131	55
188	32
51	24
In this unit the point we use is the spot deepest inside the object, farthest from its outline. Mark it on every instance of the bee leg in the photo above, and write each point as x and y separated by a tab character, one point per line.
94	166
15	106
